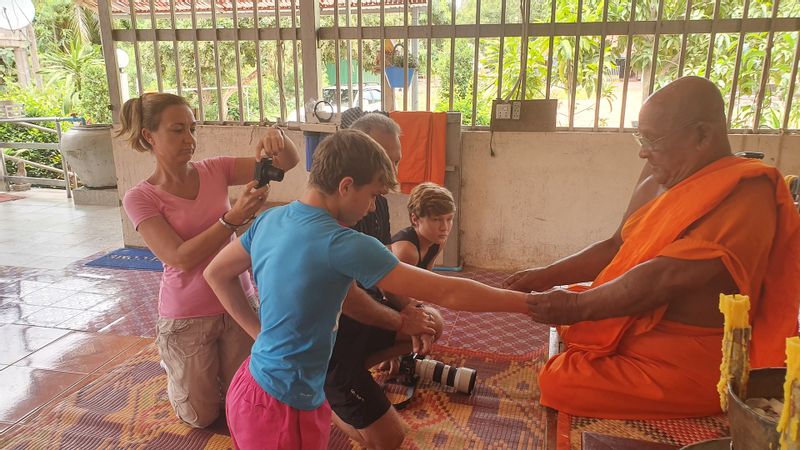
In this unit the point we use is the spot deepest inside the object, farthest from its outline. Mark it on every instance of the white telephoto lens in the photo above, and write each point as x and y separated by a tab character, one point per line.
465	379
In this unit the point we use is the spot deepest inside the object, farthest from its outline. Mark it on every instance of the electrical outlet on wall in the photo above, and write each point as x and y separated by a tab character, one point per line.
502	111
516	110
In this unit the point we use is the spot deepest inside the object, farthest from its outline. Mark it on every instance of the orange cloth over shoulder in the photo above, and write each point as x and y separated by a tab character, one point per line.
424	144
644	367
654	230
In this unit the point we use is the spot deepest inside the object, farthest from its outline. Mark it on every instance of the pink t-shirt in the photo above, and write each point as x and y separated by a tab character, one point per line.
186	294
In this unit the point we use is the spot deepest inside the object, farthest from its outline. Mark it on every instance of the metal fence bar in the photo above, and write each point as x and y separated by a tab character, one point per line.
199	78
684	37
501	54
136	55
576	60
600	68
338	93
550	49
654	63
238	56
452	50
458	36
215	45
475	64
279	61
469	31
428	52
792	80
762	89
156	49
523	68
360	45
257	44
382	58
64	165
737	65
296	63
405	56
175	53
628	47
712	39
348	13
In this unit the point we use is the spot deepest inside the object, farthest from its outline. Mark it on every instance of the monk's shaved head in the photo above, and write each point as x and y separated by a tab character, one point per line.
688	99
683	129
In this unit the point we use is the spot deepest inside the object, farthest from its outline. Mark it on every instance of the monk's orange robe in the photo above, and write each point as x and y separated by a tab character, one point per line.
643	367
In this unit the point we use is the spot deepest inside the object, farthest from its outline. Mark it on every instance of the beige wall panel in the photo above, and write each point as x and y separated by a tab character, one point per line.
542	197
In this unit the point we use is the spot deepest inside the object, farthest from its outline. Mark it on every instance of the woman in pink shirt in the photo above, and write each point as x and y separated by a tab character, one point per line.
183	213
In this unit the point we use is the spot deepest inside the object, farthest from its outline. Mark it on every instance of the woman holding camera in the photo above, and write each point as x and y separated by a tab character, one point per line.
183	214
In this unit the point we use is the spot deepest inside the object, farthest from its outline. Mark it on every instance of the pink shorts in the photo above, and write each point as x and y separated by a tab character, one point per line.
258	421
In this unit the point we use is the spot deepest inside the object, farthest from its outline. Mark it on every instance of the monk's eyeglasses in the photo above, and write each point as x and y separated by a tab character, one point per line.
646	143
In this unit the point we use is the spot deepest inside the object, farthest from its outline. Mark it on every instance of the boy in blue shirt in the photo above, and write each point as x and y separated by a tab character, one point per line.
304	260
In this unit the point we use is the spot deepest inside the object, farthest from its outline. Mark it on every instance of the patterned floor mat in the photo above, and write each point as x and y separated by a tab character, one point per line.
128	408
502	413
679	432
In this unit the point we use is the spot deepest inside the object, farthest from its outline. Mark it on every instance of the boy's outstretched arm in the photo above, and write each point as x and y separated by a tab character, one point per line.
455	293
222	274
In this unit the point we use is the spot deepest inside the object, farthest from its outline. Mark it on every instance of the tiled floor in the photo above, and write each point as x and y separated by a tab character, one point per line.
62	325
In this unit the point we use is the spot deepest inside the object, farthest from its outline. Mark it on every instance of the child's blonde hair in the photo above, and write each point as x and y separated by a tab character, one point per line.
430	199
145	113
350	153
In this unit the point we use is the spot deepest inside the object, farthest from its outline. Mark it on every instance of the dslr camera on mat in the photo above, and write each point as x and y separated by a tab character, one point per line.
461	379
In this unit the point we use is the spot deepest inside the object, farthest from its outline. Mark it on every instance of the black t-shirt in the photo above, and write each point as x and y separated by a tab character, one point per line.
376	224
410	234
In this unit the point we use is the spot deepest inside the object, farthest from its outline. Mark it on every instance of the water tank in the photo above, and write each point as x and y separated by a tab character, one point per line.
87	149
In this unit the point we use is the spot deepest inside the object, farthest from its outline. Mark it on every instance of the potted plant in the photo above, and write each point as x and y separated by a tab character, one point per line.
396	67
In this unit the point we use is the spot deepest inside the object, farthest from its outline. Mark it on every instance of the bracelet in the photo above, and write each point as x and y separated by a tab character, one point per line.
230	226
227	225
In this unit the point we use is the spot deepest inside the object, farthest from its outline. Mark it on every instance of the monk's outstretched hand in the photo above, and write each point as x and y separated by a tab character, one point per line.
528	280
554	307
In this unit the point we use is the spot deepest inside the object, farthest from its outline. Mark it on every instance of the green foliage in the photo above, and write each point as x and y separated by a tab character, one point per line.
37	103
69	67
94	102
642	58
8	72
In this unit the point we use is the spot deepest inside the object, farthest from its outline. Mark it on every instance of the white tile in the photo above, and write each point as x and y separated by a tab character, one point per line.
51	262
18	259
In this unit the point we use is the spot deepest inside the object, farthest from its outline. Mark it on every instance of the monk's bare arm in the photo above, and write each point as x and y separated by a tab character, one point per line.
644	288
589	262
576	268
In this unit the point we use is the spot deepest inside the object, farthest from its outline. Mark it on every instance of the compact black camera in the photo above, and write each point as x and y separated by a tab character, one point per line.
266	172
461	379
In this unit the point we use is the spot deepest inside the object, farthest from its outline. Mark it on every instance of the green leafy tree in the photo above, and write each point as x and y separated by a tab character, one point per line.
68	67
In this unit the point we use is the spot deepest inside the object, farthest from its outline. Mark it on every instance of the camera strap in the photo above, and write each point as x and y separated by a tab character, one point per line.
411	388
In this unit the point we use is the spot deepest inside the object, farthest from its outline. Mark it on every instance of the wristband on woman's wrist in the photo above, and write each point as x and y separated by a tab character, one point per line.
232	226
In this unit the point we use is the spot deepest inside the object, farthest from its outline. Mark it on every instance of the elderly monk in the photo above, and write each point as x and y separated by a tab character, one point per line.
644	340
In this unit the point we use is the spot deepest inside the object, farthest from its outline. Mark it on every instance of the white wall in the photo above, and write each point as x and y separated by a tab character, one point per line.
542	197
547	195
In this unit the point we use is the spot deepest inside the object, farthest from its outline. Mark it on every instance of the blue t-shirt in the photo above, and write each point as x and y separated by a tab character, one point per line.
304	263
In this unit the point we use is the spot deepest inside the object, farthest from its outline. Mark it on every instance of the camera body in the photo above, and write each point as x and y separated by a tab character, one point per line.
461	379
266	172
